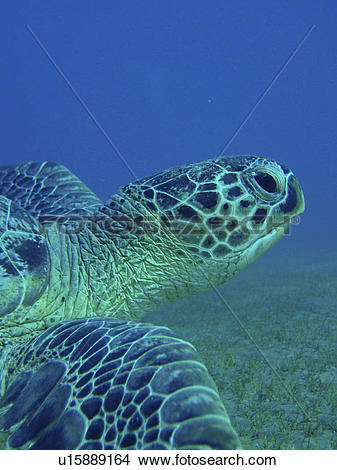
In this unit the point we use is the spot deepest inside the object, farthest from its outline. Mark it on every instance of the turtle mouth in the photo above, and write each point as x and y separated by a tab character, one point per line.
263	243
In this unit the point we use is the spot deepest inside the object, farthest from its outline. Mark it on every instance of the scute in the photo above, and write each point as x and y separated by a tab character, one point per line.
147	402
47	188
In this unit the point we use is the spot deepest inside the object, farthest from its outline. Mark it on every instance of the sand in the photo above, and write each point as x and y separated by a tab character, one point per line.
287	302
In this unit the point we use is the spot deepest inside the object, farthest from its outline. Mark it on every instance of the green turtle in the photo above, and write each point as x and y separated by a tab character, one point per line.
78	368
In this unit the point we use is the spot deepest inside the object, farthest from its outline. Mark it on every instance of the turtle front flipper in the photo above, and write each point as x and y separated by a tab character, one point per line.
108	384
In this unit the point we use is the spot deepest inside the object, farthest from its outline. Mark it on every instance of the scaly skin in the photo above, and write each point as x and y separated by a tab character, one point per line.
160	239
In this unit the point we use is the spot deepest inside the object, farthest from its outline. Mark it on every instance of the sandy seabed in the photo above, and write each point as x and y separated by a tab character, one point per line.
284	395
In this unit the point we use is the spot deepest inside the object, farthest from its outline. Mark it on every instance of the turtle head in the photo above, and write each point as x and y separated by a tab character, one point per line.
225	211
24	258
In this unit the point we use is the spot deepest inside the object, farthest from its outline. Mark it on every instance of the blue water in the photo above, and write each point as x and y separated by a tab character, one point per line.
170	82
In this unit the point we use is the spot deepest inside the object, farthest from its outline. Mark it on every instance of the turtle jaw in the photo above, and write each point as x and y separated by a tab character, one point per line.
261	245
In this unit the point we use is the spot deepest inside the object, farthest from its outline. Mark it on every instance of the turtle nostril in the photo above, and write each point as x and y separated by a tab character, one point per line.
267	182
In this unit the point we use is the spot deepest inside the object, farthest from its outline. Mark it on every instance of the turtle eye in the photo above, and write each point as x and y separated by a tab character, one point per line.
266	182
